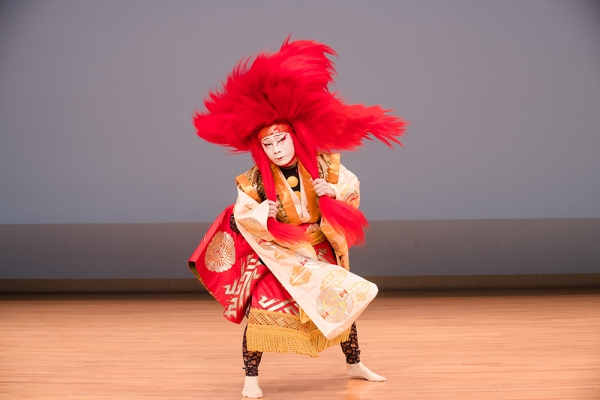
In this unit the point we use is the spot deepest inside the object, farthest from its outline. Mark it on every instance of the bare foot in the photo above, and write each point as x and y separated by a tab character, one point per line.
360	371
251	388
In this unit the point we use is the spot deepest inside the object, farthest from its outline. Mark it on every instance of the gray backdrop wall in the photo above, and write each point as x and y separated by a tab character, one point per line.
101	175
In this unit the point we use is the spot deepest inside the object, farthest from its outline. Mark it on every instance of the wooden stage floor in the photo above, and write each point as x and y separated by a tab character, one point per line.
542	344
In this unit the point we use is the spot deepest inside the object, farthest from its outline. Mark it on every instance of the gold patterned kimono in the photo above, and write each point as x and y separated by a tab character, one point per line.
316	299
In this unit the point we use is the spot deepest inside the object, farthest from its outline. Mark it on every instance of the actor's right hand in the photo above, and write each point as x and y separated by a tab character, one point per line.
272	208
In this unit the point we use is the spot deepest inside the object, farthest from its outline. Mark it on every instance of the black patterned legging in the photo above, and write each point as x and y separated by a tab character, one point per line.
349	347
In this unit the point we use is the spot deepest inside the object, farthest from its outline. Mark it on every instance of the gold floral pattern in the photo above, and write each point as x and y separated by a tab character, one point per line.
220	255
352	198
334	279
334	304
359	291
300	276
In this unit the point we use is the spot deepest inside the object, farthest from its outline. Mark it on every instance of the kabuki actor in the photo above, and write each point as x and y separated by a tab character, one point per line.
279	255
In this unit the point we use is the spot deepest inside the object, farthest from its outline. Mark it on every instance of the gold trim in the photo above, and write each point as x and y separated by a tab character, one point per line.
309	192
244	184
334	168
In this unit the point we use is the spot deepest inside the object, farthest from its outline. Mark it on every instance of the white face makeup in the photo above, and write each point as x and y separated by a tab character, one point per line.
279	148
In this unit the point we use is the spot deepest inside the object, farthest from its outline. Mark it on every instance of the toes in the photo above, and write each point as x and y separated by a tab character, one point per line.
252	395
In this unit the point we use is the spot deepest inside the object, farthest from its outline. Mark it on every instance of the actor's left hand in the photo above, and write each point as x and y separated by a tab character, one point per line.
322	188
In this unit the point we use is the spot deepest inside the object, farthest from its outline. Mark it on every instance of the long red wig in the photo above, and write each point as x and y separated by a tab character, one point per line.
292	86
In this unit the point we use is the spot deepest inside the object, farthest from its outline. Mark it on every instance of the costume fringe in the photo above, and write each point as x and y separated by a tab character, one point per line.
307	340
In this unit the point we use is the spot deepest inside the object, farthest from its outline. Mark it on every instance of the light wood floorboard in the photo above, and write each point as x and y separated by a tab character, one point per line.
541	344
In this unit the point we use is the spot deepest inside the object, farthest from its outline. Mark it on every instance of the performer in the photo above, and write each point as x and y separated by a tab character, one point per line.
280	255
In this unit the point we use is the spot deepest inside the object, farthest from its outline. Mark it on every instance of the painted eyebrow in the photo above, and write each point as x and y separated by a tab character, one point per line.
274	138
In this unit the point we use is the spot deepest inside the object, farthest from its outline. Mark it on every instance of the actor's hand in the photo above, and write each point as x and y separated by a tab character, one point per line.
272	208
322	188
